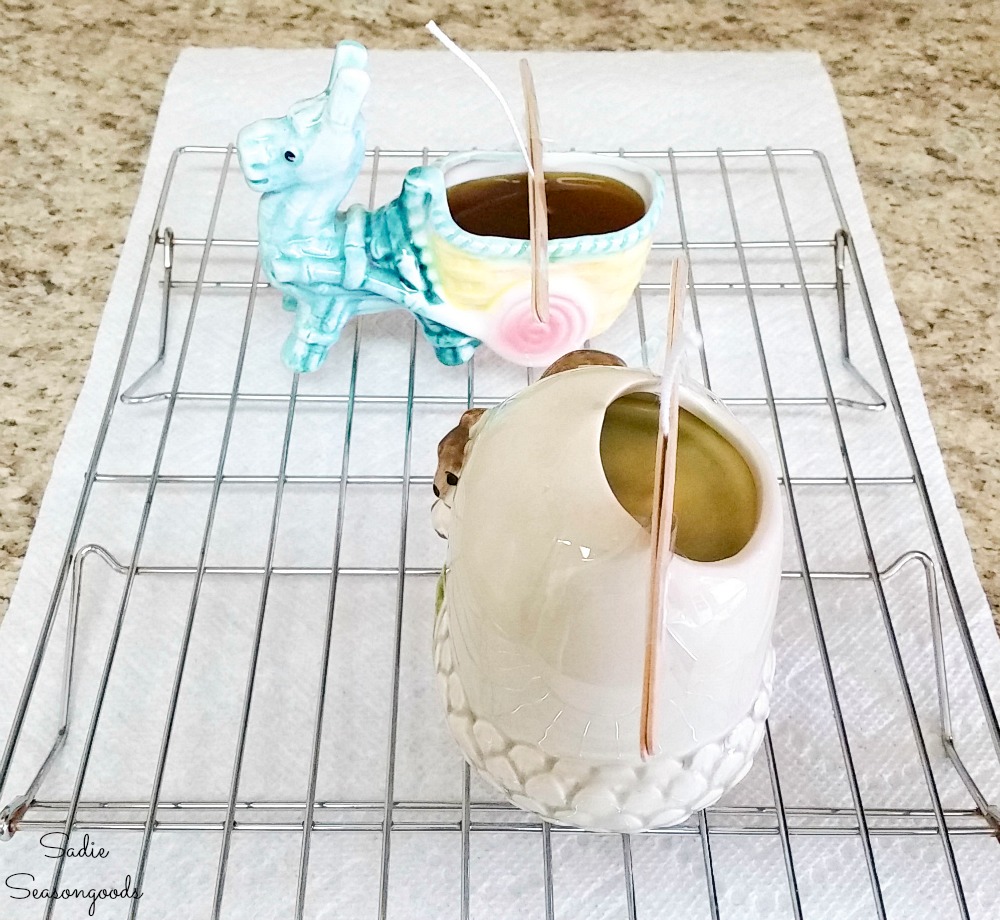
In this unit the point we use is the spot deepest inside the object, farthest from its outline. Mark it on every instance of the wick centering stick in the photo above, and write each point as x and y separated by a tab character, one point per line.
538	214
662	524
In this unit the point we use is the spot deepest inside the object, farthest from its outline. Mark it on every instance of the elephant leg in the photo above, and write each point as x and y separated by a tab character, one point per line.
318	324
451	346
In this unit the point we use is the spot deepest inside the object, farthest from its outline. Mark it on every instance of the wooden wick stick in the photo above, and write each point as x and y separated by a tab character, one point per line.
663	531
538	214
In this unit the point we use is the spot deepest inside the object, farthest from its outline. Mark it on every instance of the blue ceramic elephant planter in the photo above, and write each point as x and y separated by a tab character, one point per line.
463	289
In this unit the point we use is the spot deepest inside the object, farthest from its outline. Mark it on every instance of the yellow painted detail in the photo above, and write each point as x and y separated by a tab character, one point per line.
475	282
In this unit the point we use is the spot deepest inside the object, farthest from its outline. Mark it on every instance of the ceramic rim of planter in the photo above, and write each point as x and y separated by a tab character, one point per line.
707	407
478	164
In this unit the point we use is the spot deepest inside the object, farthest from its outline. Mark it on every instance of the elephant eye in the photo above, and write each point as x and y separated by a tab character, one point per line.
290	156
452	479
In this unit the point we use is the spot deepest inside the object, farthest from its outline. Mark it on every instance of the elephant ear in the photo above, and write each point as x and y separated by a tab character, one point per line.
306	113
348	56
349	82
347	93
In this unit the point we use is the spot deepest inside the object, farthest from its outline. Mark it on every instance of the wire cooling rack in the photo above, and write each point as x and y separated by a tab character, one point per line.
777	289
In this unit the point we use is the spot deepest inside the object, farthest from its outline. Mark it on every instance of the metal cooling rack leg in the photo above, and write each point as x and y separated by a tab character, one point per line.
965	634
128	395
990	812
839	252
878	403
880	597
65	564
16	809
807	577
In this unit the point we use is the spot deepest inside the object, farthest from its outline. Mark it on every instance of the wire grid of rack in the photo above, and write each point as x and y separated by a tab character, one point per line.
761	272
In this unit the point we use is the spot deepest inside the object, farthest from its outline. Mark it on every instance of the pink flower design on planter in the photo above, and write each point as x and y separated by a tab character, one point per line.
518	336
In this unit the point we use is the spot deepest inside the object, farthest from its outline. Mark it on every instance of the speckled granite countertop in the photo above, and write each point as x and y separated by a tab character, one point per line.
919	84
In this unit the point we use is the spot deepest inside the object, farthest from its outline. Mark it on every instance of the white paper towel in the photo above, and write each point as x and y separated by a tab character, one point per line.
596	101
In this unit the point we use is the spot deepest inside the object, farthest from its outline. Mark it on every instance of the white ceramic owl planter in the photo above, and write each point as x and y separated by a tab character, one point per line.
540	631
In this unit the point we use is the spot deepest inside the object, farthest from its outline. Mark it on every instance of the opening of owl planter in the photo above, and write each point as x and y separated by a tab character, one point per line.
540	633
716	502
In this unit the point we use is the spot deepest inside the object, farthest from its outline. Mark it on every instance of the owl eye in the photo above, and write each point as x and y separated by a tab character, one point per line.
452	479
290	156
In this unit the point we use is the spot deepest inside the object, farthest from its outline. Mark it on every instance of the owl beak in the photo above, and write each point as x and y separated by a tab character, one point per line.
441	517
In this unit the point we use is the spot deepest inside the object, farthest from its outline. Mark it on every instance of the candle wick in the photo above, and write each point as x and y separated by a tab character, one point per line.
437	32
